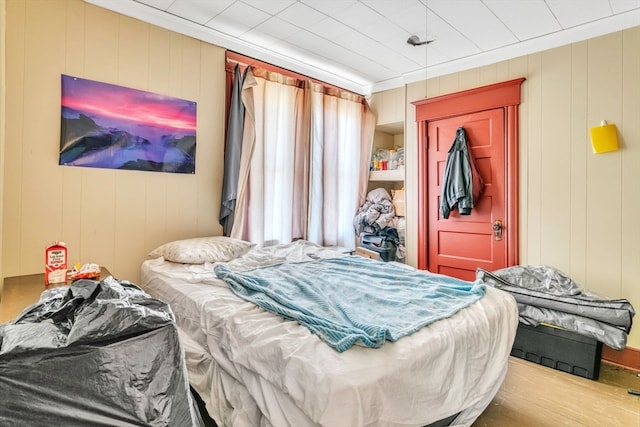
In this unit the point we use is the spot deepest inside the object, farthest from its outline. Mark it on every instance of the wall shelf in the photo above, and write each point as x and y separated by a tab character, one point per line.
389	108
388	175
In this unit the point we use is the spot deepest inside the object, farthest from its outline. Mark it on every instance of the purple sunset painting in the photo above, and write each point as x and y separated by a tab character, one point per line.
109	126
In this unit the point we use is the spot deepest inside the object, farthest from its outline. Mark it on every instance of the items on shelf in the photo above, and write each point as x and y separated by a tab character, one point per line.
387	159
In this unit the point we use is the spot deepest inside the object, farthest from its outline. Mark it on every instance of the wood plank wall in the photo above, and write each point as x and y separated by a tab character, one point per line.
578	210
110	217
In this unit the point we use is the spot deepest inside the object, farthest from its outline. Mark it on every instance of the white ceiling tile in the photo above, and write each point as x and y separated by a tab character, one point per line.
387	57
258	38
287	49
316	59
362	43
335	67
264	39
277	28
575	12
387	8
158	4
449	39
331	50
330	29
357	14
313	60
329	7
353	40
224	26
301	15
200	11
384	31
332	66
369	69
307	40
272	7
237	19
620	6
436	56
420	60
310	58
478	23
417	54
413	18
526	19
383	54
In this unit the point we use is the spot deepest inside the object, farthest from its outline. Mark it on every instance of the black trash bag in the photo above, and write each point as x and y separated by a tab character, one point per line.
94	354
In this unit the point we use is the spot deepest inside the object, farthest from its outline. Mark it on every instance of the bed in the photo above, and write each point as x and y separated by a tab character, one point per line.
255	368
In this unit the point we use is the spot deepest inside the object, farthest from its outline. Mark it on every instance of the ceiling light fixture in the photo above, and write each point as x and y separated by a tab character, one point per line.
415	41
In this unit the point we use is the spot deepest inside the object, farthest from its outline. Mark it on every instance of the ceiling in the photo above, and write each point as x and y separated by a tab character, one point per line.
361	45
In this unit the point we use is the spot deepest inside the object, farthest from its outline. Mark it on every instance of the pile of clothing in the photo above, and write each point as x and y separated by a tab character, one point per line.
377	217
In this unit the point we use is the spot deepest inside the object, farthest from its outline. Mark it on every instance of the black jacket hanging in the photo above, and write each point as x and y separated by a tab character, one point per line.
461	182
233	149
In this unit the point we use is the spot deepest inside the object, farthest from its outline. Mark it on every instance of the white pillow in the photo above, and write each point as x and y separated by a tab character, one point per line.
202	249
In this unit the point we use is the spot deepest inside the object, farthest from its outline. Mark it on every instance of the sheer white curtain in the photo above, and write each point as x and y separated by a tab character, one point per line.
304	150
272	185
336	155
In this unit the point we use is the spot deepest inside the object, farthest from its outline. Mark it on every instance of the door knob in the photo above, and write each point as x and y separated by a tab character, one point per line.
497	230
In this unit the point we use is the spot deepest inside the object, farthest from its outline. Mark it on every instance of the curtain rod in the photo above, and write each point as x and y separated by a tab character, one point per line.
247	61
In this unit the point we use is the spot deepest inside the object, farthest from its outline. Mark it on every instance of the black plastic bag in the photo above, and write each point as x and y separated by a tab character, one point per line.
94	354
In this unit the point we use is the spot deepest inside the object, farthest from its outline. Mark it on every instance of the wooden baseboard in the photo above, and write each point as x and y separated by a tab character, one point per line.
627	358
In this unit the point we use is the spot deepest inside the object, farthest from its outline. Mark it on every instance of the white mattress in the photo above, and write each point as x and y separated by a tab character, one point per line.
254	368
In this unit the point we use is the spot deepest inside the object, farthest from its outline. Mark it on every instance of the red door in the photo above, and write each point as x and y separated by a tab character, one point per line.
457	246
462	243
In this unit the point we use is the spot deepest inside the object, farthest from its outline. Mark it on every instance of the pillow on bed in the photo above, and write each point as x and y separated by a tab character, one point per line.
202	249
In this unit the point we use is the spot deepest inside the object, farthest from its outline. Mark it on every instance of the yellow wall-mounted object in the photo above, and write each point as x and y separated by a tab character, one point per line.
604	138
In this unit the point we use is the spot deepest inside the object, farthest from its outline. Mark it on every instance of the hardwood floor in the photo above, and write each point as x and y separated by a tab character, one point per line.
536	396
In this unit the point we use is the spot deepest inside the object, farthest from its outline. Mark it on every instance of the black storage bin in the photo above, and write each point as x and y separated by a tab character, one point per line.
559	349
385	248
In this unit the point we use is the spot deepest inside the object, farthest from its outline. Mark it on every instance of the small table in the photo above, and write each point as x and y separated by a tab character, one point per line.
20	292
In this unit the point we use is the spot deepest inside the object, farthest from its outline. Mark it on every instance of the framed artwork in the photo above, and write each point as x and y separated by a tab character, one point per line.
109	126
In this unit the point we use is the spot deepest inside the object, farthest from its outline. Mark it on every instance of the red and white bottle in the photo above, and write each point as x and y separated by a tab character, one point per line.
55	263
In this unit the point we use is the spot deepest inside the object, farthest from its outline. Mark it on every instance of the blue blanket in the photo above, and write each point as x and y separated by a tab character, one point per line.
353	299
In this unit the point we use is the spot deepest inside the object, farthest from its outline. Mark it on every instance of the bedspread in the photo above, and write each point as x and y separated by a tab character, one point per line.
353	300
253	368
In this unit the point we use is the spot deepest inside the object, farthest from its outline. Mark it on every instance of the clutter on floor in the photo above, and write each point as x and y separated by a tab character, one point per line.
562	325
379	228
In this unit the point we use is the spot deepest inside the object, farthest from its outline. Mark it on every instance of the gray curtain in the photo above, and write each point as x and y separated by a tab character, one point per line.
233	148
